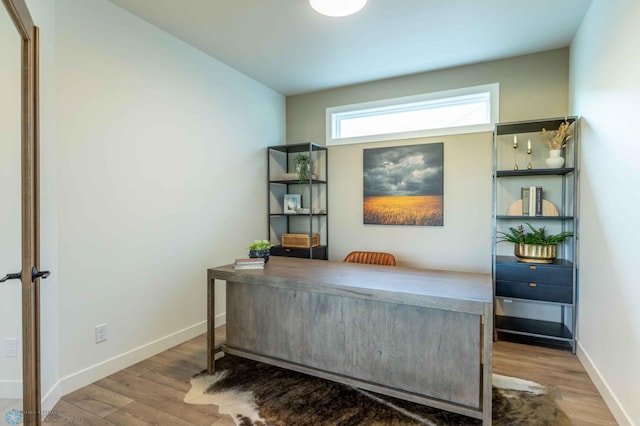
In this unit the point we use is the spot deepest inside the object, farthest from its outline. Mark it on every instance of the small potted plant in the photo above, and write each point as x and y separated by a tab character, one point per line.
535	246
260	248
303	167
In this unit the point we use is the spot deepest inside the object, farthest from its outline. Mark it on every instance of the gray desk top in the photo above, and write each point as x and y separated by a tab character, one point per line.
449	290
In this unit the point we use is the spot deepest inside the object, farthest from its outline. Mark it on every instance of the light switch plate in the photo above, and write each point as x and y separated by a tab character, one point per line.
10	347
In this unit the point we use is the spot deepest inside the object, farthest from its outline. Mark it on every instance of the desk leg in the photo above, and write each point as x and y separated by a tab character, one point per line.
211	326
487	376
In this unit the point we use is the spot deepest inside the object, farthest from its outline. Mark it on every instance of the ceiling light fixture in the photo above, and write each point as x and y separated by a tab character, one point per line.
337	7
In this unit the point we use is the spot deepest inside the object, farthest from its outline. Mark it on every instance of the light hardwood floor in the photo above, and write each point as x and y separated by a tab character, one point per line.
152	391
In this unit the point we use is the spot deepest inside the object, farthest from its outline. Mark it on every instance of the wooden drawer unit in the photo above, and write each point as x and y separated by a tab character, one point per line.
549	283
534	291
319	252
560	274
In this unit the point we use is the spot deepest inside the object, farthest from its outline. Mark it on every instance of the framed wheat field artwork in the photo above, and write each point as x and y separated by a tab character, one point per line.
403	185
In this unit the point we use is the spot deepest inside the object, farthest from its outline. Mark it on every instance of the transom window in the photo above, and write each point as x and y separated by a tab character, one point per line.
472	109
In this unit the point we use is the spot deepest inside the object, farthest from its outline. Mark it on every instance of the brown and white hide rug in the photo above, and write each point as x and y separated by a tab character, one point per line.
253	393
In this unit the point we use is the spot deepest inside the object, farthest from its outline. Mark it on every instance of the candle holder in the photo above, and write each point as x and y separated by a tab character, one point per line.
529	151
515	154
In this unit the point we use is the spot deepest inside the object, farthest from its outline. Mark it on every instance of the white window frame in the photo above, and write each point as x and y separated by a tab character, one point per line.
334	114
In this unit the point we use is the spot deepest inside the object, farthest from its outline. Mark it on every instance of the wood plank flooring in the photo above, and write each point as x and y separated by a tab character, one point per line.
152	391
9	404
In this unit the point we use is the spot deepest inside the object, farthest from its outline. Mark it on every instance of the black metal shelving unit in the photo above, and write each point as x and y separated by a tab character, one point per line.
535	303
313	191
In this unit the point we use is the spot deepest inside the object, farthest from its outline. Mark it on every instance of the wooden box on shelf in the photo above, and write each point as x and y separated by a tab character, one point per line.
300	240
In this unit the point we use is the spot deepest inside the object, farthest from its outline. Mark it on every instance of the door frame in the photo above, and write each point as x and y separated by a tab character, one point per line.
31	401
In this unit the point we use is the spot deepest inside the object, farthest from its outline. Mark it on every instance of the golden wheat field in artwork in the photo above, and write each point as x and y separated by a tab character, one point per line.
403	210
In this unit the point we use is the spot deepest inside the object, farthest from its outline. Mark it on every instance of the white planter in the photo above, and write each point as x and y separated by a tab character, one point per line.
555	159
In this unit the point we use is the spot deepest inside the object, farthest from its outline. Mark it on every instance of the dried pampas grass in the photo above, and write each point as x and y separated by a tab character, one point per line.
556	139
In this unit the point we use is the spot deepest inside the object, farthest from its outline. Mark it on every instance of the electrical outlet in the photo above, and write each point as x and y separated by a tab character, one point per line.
10	347
101	333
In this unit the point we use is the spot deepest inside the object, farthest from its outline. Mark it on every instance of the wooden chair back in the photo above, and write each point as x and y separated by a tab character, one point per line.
371	257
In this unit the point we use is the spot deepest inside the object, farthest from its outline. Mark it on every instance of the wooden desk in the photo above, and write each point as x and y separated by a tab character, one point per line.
420	335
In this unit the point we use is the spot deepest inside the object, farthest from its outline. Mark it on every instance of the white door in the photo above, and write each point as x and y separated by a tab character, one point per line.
10	220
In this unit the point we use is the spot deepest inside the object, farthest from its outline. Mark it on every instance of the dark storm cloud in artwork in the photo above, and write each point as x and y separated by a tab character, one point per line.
404	170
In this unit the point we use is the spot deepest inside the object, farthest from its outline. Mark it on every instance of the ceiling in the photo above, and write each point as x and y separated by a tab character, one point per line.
289	47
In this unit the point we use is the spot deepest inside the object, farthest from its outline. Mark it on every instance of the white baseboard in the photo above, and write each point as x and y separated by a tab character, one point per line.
51	398
105	368
610	399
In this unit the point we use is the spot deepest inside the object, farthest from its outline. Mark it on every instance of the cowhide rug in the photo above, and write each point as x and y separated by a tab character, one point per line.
254	393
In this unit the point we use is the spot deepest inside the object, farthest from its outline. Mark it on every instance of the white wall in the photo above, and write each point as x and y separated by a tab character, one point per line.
531	86
160	171
605	90
465	158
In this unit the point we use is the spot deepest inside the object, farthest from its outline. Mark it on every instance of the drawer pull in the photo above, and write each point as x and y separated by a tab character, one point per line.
533	285
533	267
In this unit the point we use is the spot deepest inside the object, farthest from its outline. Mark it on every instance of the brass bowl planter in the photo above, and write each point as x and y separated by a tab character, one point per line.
534	246
535	253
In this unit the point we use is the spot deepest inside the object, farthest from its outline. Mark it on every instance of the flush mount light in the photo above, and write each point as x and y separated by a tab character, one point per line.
337	7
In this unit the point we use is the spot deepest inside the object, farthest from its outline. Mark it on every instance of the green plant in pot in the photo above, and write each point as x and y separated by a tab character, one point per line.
534	246
303	167
260	248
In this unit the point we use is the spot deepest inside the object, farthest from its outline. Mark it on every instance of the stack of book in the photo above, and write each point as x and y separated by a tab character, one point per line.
531	200
249	263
